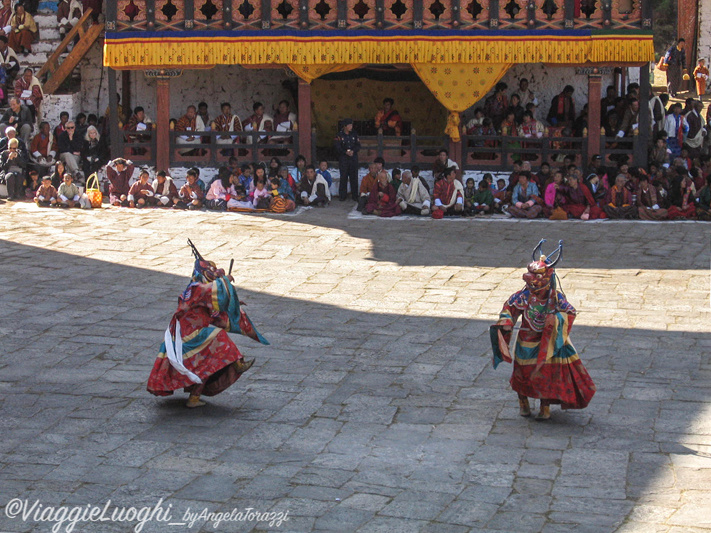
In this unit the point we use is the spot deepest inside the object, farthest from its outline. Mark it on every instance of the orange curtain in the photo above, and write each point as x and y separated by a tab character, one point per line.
458	86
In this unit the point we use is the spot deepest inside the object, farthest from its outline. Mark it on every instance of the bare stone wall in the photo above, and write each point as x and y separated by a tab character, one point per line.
704	39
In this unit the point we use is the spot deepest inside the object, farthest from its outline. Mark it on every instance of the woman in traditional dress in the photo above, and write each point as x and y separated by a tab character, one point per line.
197	355
23	31
546	364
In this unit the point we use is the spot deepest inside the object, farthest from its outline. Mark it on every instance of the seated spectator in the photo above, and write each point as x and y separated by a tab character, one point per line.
289	180
501	194
70	145
12	170
483	200
204	116
92	156
5	16
141	194
703	201
262	195
580	125
46	195
382	201
68	14
469	191
140	126
323	171
62	126
544	175
597	188
412	195
43	149
10	64
676	127
366	185
660	153
281	194
682	198
32	183
472	127
190	123
119	173
647	204
19	117
227	122
697	132
314	189
516	108
220	192
553	196
619	201
525	198
299	168
69	195
58	174
496	104
416	175
579	201
388	119
258	121
165	191
284	120
448	195
10	133
526	94
531	128
29	91
23	30
191	194
630	120
441	164
396	178
562	111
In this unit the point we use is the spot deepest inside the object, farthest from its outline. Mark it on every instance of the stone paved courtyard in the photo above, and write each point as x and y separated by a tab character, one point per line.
376	408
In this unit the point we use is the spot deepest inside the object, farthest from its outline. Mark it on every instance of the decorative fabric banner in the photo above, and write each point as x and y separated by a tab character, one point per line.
361	99
459	86
309	73
190	49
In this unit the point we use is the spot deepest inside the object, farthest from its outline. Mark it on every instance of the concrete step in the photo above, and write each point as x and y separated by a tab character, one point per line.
50	34
46	20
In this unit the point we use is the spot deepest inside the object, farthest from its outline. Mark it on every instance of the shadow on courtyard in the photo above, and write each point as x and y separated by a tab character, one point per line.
405	403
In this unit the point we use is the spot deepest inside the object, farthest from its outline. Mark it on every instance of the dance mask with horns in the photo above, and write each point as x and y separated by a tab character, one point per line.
542	268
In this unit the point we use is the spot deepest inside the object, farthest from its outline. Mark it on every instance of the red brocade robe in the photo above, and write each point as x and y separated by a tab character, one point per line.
546	364
206	313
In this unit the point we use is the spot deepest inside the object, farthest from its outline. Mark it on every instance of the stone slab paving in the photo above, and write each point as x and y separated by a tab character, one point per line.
375	409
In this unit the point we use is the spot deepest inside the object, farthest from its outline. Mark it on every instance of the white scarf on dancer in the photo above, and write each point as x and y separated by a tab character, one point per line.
174	351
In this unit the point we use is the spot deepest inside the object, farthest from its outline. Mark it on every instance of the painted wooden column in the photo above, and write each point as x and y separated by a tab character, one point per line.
115	146
163	124
304	119
594	112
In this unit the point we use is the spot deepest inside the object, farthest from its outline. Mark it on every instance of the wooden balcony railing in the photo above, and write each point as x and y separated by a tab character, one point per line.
344	15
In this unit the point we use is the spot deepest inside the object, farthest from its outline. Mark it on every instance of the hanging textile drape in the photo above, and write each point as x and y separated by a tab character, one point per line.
189	49
309	73
459	86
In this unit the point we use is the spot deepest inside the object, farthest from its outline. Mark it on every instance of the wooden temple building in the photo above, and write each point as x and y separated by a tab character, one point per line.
459	49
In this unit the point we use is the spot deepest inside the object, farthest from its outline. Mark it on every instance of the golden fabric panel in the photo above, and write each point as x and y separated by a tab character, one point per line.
334	100
309	73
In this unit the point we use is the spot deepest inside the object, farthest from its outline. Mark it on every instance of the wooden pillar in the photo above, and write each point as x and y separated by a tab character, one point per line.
687	23
126	94
304	119
163	123
115	144
645	118
594	113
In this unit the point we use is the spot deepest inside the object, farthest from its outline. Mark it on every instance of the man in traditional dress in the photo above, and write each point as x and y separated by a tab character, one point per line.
546	364
23	30
314	189
579	201
675	59
525	199
388	119
11	64
140	127
448	195
695	136
141	193
189	123
197	354
227	122
119	173
43	149
259	121
562	111
68	14
412	195
191	195
284	120
166	193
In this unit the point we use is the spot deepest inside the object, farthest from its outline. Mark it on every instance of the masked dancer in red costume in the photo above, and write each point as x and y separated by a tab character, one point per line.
197	354
546	364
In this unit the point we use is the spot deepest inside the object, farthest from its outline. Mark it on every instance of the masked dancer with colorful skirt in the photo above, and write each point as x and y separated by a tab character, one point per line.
197	355
546	364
